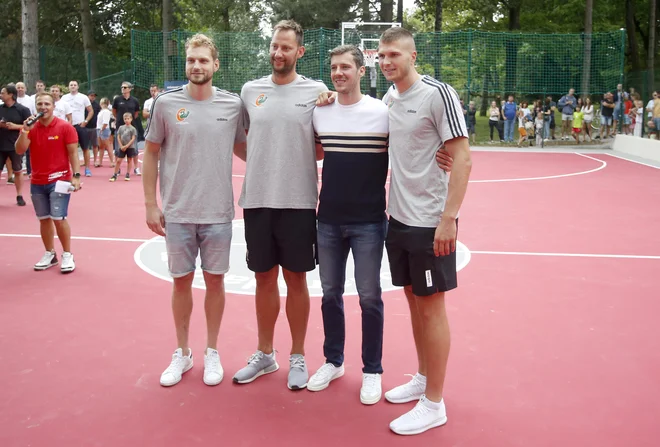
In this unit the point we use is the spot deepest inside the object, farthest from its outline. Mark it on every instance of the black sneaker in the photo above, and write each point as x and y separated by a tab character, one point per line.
20	201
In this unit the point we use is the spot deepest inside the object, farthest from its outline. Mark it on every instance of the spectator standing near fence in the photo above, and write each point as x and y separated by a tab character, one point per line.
126	103
649	109
81	114
618	116
510	112
494	116
549	109
567	104
12	116
606	114
588	117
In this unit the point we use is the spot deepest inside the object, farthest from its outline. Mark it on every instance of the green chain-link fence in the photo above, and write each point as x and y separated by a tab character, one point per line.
474	62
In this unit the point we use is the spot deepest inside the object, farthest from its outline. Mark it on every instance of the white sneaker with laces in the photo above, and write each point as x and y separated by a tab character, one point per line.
48	260
213	372
323	376
407	392
67	263
180	364
371	390
137	171
424	416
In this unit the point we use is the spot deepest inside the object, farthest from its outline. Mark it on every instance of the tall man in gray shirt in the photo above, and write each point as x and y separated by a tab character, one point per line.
191	132
423	208
279	200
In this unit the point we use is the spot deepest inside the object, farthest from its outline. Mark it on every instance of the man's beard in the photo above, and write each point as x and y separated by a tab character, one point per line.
285	70
197	81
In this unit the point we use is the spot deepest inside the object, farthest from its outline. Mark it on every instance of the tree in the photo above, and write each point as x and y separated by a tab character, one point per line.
652	43
314	14
167	19
88	40
30	33
386	10
586	59
633	48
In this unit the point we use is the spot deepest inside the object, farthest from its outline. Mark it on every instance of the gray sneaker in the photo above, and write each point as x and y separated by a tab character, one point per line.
258	365
298	374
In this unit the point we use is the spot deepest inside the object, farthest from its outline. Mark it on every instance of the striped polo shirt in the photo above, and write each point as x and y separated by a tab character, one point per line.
354	139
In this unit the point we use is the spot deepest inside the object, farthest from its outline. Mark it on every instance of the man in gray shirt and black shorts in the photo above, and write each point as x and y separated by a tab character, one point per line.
279	199
192	132
423	206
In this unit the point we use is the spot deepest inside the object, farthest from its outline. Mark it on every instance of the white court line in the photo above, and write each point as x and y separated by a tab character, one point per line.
565	255
633	161
79	238
475	252
603	165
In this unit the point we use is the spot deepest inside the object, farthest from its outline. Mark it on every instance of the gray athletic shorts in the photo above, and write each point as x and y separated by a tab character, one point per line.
185	241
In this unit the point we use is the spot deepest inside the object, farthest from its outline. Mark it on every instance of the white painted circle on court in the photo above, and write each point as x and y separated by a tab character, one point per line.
151	257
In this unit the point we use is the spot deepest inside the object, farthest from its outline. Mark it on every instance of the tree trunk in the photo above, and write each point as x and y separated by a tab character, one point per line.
386	10
88	41
168	18
586	58
366	12
399	11
651	52
30	31
225	18
437	50
438	16
633	48
511	46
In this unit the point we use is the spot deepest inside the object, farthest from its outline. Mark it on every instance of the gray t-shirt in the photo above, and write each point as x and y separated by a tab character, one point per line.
197	140
125	134
281	169
421	119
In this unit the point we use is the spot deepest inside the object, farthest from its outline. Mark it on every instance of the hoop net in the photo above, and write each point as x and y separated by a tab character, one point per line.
370	57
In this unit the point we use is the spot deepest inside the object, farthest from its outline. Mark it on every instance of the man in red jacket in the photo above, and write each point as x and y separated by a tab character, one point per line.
54	150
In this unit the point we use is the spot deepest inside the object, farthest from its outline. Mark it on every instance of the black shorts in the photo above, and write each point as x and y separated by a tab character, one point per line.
285	237
131	152
412	261
83	137
16	160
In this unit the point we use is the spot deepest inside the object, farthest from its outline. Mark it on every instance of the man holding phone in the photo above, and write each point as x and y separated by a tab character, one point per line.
54	148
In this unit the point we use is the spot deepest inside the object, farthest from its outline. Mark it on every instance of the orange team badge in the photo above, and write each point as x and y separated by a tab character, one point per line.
182	114
261	99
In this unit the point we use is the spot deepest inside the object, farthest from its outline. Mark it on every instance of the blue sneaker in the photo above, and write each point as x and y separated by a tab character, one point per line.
88	173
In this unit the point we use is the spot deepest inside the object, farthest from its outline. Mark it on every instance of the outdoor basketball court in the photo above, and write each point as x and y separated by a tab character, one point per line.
554	324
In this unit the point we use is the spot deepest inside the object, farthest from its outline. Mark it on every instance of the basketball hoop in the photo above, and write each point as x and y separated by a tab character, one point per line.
370	57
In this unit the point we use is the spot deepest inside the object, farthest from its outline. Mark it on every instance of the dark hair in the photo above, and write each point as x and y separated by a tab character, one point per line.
284	25
153	85
11	89
358	57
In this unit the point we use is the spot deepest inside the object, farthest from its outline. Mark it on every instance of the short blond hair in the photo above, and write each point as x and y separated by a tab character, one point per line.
285	25
395	34
202	40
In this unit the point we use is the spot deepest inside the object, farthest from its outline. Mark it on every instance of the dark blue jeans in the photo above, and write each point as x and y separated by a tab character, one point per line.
366	241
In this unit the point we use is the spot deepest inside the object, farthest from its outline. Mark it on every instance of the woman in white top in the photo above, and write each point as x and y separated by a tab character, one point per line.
588	117
103	129
493	120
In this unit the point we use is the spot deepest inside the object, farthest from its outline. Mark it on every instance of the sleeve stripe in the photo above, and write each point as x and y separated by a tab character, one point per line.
450	111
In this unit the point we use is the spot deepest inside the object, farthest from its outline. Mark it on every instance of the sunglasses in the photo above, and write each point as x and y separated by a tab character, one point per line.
123	87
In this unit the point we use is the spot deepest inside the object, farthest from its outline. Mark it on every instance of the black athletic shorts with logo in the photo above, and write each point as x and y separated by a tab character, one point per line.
412	261
285	237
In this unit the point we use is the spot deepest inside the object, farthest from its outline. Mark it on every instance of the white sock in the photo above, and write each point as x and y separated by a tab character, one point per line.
420	377
430	404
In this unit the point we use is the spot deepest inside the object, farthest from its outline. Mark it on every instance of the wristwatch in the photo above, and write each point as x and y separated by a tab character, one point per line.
76	175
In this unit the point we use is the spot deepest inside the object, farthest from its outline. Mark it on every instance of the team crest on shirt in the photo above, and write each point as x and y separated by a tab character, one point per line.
261	99
182	114
390	103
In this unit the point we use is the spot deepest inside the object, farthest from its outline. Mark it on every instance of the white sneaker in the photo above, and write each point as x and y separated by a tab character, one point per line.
67	263
180	364
371	390
213	372
325	374
137	171
424	416
407	392
47	261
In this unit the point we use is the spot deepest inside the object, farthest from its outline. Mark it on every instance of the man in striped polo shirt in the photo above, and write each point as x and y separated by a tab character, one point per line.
423	207
351	217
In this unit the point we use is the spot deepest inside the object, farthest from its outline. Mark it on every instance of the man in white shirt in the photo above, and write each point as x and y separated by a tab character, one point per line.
146	109
40	87
81	113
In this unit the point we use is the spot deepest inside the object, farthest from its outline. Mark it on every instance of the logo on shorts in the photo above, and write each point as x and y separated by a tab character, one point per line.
261	99
182	114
